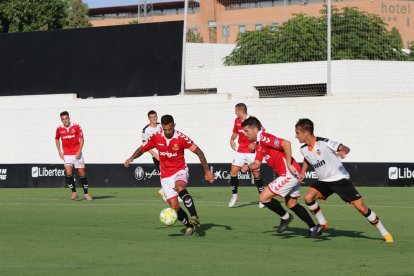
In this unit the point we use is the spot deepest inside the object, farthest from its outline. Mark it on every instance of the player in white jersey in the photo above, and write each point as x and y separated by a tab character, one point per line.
324	155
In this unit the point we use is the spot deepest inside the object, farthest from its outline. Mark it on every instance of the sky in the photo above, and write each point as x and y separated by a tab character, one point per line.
111	3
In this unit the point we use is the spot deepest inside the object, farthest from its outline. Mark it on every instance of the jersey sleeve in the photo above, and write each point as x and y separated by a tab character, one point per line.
187	142
57	135
148	144
80	132
272	141
333	145
259	154
235	127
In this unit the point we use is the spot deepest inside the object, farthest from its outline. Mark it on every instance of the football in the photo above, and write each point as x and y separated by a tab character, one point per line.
168	216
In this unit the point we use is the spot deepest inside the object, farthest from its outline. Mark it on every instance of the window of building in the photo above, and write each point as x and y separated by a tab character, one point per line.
258	27
226	31
242	28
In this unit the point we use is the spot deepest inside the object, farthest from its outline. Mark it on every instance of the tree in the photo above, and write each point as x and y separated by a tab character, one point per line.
77	15
33	15
355	35
194	36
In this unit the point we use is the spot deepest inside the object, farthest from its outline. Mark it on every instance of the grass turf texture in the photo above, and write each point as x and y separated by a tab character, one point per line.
43	232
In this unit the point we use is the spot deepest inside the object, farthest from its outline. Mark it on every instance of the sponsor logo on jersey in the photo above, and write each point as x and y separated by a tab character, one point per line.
45	172
168	154
319	164
395	173
3	174
68	136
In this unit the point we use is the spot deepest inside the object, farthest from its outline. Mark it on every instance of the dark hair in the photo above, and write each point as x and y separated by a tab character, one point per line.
151	112
63	113
241	106
252	121
166	119
305	124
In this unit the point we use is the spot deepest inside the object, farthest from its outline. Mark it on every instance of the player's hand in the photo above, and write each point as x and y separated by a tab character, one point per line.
293	170
77	155
252	147
209	176
245	168
156	156
341	154
61	155
302	178
128	161
233	145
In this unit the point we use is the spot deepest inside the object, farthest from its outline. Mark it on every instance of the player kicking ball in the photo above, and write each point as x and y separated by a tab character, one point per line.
278	154
171	144
324	155
72	143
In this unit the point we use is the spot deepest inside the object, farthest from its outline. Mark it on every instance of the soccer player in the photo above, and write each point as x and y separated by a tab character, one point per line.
278	154
244	155
324	155
171	144
72	143
151	128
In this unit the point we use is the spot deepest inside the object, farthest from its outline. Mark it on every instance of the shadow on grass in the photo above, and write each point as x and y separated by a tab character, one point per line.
293	232
202	230
101	197
247	204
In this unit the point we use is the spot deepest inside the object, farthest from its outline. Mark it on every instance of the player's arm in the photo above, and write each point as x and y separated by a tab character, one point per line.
154	154
252	166
137	153
287	149
305	167
232	141
208	175
57	141
342	151
81	143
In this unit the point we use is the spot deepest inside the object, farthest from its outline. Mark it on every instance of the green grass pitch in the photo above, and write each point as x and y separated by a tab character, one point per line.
43	232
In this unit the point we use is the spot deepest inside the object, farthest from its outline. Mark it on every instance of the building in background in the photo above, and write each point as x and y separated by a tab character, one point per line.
219	21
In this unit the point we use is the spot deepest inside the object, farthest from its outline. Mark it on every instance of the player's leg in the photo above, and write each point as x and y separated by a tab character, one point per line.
188	202
69	177
168	186
234	182
317	191
258	181
157	167
300	211
267	198
80	166
349	194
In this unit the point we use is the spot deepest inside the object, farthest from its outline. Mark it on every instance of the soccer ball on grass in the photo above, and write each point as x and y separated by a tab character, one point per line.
168	216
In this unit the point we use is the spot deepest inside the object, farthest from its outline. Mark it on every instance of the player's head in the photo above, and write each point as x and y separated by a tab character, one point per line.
251	127
152	116
303	129
64	117
168	125
241	110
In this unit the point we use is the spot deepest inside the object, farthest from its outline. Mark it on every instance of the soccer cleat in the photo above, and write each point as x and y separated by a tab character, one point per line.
388	238
74	196
195	221
233	200
324	226
162	195
261	205
88	197
315	232
190	231
284	223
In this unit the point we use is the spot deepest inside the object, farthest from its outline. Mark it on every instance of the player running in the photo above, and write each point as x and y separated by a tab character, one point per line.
171	144
72	143
244	155
278	154
324	155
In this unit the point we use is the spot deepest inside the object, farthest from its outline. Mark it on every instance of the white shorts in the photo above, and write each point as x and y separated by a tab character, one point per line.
168	183
70	160
241	158
284	186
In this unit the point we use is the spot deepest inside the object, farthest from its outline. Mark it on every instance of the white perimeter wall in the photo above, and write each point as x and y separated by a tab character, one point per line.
377	128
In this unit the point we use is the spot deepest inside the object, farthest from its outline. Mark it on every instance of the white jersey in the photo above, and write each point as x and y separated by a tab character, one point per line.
148	130
324	160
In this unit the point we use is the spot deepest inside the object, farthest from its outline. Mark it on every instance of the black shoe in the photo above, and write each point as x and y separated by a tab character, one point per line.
284	223
316	232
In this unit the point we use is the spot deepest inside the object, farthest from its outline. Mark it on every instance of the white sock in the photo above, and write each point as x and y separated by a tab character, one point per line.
286	216
235	195
374	220
318	214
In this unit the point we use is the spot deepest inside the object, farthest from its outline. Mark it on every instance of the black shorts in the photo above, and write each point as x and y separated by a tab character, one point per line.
343	188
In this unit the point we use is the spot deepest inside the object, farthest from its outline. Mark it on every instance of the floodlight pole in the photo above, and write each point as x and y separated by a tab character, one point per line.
183	59
328	49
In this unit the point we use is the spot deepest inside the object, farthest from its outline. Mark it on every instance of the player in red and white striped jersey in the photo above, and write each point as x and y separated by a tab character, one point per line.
72	139
244	155
278	154
171	144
